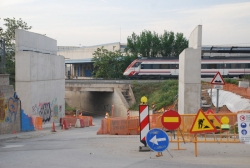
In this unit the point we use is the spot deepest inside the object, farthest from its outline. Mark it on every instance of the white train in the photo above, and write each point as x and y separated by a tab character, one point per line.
169	68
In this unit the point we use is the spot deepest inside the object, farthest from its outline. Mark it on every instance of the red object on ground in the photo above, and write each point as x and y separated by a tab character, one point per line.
65	124
53	127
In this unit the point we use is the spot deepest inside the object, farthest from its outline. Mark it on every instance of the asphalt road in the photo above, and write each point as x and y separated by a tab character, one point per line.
81	147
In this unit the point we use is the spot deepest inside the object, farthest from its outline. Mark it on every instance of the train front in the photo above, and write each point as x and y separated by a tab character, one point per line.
132	69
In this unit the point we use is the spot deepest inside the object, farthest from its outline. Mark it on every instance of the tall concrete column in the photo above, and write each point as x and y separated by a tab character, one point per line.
190	75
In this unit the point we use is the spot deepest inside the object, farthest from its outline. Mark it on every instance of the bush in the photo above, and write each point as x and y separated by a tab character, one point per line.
232	81
161	93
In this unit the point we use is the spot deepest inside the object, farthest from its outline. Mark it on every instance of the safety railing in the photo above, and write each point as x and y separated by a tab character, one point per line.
130	126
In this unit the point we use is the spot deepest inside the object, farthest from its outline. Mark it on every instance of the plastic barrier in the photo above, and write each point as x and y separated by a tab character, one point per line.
82	123
38	123
130	126
72	120
120	126
104	129
78	124
27	124
86	120
65	124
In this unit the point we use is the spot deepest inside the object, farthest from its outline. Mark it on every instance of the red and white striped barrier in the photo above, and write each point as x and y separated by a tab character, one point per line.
144	123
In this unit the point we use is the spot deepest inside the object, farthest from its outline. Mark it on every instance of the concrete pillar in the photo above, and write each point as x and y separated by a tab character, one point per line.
190	75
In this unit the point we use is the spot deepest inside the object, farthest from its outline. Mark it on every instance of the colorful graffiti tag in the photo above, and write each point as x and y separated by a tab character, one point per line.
47	110
3	108
10	106
13	108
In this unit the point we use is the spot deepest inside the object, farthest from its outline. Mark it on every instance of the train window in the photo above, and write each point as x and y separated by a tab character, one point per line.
155	66
146	66
228	66
174	66
164	66
203	66
220	66
241	66
247	65
212	66
234	66
136	64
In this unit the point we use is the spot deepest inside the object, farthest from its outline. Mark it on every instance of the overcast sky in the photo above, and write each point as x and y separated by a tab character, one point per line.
93	22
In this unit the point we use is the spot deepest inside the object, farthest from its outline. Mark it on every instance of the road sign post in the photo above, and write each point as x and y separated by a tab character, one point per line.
157	140
217	80
144	123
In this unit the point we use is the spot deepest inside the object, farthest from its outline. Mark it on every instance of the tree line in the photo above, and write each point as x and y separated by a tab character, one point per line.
111	64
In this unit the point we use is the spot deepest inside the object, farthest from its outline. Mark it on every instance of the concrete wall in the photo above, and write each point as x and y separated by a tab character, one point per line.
9	107
40	81
87	52
35	42
189	93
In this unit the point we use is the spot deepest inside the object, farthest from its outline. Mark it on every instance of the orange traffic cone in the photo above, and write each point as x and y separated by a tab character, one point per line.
53	127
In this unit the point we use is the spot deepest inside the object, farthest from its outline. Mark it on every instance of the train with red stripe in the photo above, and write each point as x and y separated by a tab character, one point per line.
169	68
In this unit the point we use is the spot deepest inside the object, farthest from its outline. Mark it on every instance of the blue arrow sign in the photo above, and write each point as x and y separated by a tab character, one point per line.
157	140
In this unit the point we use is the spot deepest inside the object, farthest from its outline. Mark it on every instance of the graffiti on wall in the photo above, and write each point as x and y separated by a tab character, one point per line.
3	108
10	106
13	108
47	110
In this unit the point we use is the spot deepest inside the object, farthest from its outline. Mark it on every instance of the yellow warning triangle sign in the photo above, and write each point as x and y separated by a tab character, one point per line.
202	124
213	119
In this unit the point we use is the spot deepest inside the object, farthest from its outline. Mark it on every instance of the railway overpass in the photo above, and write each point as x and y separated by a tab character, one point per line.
99	96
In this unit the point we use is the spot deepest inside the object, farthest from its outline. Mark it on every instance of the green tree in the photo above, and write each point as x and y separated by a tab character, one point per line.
167	41
146	45
110	64
180	44
149	44
9	36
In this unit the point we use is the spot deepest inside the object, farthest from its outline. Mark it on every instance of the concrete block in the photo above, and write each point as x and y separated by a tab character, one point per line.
34	67
189	100
244	84
190	66
22	63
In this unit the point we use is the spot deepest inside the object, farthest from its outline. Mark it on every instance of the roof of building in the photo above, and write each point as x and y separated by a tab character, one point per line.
78	61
